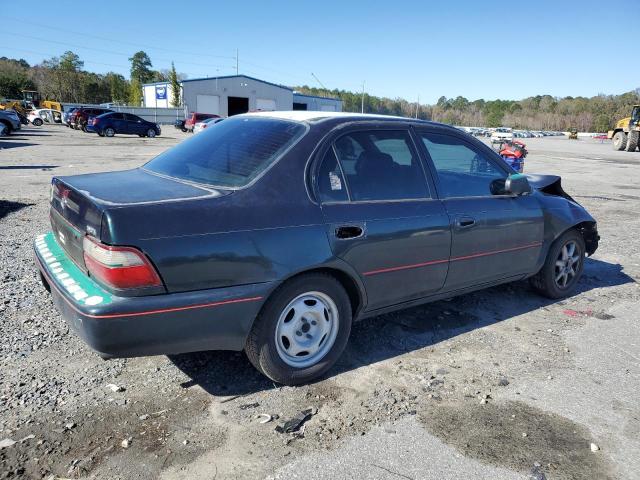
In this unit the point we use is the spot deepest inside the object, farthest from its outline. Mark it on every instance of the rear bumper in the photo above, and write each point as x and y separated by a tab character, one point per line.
214	319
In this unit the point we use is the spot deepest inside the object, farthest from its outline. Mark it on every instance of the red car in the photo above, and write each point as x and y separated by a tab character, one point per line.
80	117
194	118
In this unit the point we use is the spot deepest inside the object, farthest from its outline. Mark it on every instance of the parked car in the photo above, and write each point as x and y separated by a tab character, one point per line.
80	117
108	124
501	134
179	124
202	248
198	127
194	118
44	115
66	114
10	120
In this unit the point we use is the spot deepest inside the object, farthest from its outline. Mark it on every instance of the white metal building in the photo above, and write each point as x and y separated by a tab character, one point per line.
231	95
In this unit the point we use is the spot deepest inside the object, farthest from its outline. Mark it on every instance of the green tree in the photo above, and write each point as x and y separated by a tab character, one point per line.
141	67
135	93
118	87
175	86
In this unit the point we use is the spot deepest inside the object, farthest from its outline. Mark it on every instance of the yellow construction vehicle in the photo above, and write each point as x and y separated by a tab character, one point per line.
626	133
33	98
573	133
13	105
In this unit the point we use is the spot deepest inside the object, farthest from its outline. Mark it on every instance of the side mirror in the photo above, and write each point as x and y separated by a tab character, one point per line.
517	184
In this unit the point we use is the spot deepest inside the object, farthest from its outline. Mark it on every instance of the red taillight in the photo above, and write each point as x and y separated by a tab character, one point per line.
119	267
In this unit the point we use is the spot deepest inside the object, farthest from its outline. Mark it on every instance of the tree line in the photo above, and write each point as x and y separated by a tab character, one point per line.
64	79
542	112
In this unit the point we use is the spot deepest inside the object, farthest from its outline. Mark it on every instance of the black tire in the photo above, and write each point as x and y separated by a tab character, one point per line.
184	129
109	132
261	346
151	133
100	134
38	122
544	282
8	128
619	140
632	141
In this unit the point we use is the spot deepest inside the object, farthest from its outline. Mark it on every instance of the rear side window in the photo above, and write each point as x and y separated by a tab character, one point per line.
331	185
116	116
462	170
131	118
381	165
230	155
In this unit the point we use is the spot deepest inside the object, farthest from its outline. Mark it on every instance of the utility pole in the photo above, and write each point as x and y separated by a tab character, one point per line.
417	106
362	102
237	70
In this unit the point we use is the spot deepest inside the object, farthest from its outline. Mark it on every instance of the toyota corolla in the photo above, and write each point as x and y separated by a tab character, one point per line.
274	231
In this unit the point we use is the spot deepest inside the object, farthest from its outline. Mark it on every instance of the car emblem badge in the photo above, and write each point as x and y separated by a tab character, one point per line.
61	237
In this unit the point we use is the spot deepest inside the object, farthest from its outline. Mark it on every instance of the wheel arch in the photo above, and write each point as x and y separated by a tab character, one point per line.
349	281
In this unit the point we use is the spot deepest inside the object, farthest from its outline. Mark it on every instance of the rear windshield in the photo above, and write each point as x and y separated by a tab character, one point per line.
230	155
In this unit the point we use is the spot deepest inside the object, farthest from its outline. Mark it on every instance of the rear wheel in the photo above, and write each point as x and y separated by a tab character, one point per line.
8	128
563	267
619	140
151	133
632	140
109	132
302	329
37	122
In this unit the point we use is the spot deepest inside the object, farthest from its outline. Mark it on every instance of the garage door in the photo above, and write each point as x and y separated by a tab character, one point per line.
327	108
265	104
208	104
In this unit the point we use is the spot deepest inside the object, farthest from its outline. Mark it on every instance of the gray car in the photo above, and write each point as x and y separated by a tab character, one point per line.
272	232
10	121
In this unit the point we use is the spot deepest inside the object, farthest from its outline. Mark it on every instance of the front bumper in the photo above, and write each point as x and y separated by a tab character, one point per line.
214	319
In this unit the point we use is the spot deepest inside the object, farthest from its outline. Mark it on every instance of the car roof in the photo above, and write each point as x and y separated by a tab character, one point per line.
315	116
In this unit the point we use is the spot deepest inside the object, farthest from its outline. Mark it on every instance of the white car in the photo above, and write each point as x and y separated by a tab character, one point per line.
198	127
42	115
501	134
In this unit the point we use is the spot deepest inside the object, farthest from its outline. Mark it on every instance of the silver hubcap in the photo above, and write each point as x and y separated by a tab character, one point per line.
567	264
151	133
307	329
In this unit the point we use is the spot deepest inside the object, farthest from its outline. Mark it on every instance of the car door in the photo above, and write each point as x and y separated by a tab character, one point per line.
494	236
135	125
381	214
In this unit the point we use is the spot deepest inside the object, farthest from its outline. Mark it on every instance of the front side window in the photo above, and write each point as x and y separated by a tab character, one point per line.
462	170
381	165
230	155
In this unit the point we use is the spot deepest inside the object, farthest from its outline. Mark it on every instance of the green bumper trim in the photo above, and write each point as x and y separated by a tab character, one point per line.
67	275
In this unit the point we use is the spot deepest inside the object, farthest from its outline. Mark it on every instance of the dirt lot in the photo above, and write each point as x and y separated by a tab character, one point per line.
496	384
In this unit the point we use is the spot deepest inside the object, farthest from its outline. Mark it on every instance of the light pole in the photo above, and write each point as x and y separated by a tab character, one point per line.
362	101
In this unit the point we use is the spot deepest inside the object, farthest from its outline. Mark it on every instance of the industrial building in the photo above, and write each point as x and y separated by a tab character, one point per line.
234	94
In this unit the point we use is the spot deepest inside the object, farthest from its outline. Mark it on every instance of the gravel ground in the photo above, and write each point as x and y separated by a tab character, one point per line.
496	384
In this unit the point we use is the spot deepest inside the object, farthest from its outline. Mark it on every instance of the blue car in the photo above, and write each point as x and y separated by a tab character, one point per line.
108	124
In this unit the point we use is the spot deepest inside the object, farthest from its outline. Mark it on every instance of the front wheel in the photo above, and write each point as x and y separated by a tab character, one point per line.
151	133
633	138
302	329
619	140
562	268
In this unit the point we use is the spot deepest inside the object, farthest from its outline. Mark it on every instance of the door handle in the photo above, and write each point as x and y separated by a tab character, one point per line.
347	232
465	222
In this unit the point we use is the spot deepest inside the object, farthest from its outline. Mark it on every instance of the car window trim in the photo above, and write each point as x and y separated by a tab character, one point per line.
504	168
412	146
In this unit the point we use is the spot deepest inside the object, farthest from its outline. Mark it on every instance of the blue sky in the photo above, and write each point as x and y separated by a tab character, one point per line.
485	49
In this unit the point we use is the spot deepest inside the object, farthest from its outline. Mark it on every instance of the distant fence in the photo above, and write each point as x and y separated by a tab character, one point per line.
156	115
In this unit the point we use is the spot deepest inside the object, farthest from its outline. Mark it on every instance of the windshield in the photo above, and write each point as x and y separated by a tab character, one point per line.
230	155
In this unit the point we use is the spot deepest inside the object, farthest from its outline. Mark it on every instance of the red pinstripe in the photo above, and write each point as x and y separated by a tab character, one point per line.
453	259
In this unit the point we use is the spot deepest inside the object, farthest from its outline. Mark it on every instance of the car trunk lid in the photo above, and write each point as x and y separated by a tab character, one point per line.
79	202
